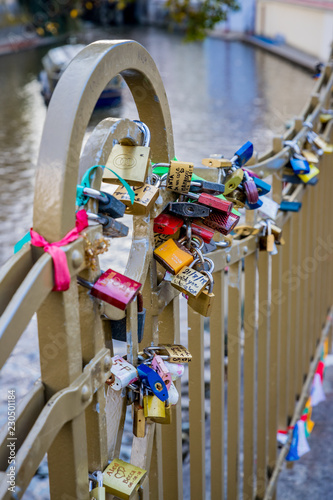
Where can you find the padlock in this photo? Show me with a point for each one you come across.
(243, 154)
(176, 370)
(290, 206)
(310, 156)
(203, 186)
(204, 302)
(118, 327)
(153, 406)
(167, 418)
(167, 224)
(262, 186)
(254, 206)
(320, 143)
(267, 240)
(314, 171)
(237, 197)
(223, 223)
(98, 492)
(179, 176)
(186, 209)
(129, 162)
(233, 180)
(199, 229)
(250, 189)
(211, 201)
(122, 374)
(216, 162)
(173, 395)
(111, 227)
(205, 264)
(299, 164)
(150, 379)
(145, 197)
(139, 420)
(173, 353)
(114, 288)
(159, 366)
(107, 204)
(189, 281)
(122, 479)
(172, 257)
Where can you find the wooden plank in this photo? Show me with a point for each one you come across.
(197, 405)
(262, 370)
(217, 391)
(249, 360)
(234, 376)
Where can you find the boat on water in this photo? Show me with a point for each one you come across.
(56, 61)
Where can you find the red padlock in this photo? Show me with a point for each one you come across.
(223, 223)
(113, 288)
(212, 201)
(198, 229)
(167, 224)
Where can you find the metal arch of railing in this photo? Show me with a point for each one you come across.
(70, 325)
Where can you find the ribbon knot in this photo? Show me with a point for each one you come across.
(62, 276)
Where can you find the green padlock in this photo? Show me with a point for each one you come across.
(233, 180)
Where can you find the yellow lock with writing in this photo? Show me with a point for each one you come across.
(145, 197)
(190, 281)
(179, 176)
(122, 479)
(172, 257)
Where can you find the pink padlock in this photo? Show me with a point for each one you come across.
(113, 288)
(159, 366)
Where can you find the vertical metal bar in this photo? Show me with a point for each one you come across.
(169, 333)
(61, 363)
(284, 344)
(250, 326)
(293, 332)
(197, 405)
(262, 370)
(274, 360)
(234, 377)
(217, 347)
(311, 282)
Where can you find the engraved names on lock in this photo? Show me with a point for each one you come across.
(122, 373)
(145, 197)
(121, 478)
(177, 353)
(129, 162)
(190, 281)
(179, 176)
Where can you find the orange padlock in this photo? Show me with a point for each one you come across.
(172, 257)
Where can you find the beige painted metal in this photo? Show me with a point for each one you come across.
(72, 334)
(217, 388)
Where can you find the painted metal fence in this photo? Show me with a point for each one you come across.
(273, 311)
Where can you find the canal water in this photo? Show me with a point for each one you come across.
(221, 94)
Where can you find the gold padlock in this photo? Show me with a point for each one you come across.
(122, 479)
(173, 353)
(172, 257)
(310, 156)
(217, 162)
(190, 281)
(322, 144)
(233, 180)
(129, 162)
(179, 176)
(153, 406)
(237, 197)
(204, 302)
(168, 416)
(145, 197)
(139, 421)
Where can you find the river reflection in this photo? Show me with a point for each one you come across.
(220, 94)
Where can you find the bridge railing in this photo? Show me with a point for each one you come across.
(267, 327)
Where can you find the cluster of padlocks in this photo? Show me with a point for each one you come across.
(183, 234)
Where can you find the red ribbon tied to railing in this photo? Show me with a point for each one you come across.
(62, 277)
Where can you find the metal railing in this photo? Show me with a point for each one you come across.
(276, 309)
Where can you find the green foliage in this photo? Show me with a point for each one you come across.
(196, 17)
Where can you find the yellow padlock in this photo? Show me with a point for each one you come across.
(233, 180)
(189, 281)
(153, 406)
(179, 176)
(313, 172)
(172, 257)
(139, 420)
(167, 419)
(122, 479)
(216, 162)
(129, 162)
(145, 197)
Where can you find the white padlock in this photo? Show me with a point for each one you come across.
(175, 369)
(173, 394)
(122, 373)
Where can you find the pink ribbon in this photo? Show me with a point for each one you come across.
(62, 277)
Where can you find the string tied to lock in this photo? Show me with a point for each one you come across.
(62, 275)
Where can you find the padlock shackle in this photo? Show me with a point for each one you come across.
(85, 283)
(94, 193)
(146, 132)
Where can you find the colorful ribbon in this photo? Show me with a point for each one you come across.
(62, 276)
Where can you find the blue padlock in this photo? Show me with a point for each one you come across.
(243, 154)
(151, 379)
(253, 206)
(299, 164)
(262, 186)
(290, 206)
(292, 179)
